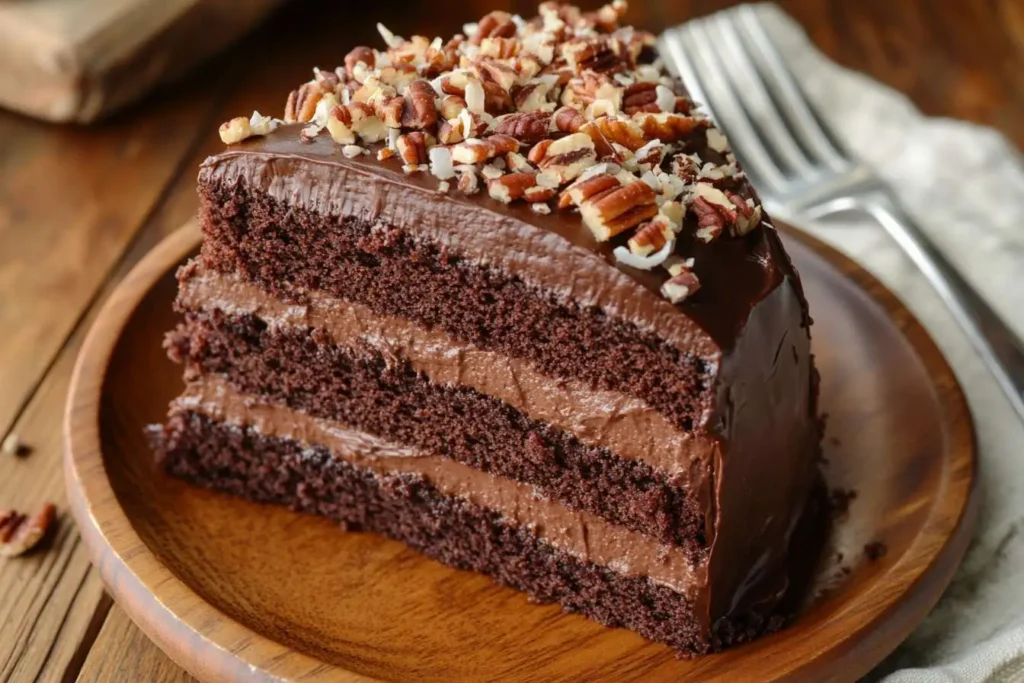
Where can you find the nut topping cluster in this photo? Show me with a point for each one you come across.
(568, 111)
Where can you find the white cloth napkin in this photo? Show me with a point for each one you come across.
(965, 184)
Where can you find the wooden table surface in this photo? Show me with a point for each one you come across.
(79, 206)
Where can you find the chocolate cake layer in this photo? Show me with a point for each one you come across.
(386, 269)
(453, 530)
(624, 425)
(381, 394)
(581, 534)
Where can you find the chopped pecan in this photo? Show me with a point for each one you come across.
(651, 154)
(568, 157)
(365, 123)
(602, 146)
(682, 284)
(490, 71)
(591, 88)
(469, 183)
(499, 48)
(452, 106)
(568, 120)
(640, 97)
(530, 97)
(20, 533)
(516, 163)
(455, 83)
(616, 210)
(714, 210)
(584, 189)
(398, 76)
(539, 194)
(527, 66)
(651, 236)
(511, 186)
(748, 214)
(621, 131)
(437, 62)
(607, 17)
(538, 151)
(447, 134)
(592, 53)
(328, 81)
(390, 111)
(668, 127)
(475, 150)
(497, 100)
(463, 127)
(413, 147)
(419, 110)
(339, 125)
(301, 104)
(235, 130)
(497, 24)
(361, 54)
(528, 128)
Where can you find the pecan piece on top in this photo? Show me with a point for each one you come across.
(640, 97)
(361, 54)
(528, 128)
(418, 109)
(568, 157)
(650, 237)
(511, 186)
(568, 120)
(714, 210)
(585, 188)
(497, 24)
(301, 104)
(475, 151)
(683, 282)
(413, 147)
(619, 210)
(668, 127)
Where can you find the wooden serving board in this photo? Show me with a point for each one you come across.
(232, 590)
(77, 60)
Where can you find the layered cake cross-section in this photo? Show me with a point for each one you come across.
(509, 299)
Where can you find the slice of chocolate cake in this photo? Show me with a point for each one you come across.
(509, 299)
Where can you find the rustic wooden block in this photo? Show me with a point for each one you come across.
(78, 60)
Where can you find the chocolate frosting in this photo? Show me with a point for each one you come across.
(586, 536)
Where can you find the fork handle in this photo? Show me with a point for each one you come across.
(1000, 348)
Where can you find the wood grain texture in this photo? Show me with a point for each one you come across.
(182, 561)
(65, 231)
(115, 657)
(79, 60)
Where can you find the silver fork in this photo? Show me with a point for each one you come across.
(729, 63)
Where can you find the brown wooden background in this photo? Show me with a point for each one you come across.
(79, 206)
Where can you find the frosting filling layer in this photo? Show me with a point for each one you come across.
(625, 425)
(582, 534)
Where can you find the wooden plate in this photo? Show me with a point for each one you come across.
(232, 590)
